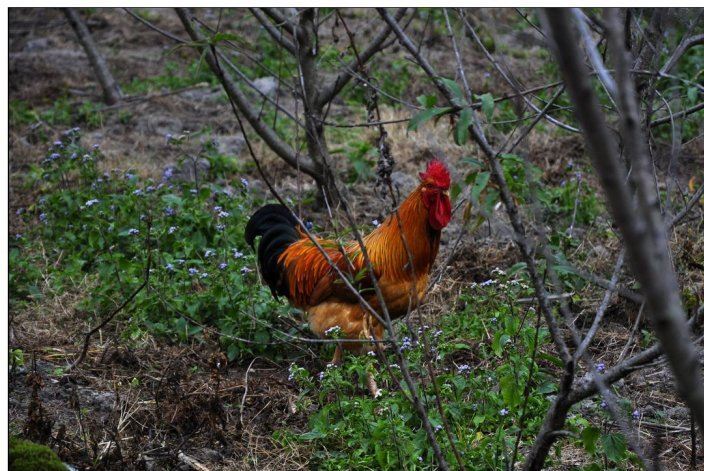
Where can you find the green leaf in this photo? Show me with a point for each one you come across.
(455, 191)
(427, 101)
(219, 37)
(614, 446)
(471, 161)
(487, 105)
(515, 268)
(426, 115)
(565, 269)
(312, 435)
(589, 437)
(511, 158)
(692, 94)
(509, 390)
(546, 388)
(498, 343)
(551, 358)
(172, 200)
(479, 185)
(457, 95)
(233, 351)
(462, 127)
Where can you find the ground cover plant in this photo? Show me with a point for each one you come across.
(142, 335)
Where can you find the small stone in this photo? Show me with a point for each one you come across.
(266, 85)
(230, 144)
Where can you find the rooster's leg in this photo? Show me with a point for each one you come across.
(371, 384)
(337, 357)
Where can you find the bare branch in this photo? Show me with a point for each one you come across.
(688, 207)
(154, 27)
(280, 20)
(110, 88)
(276, 34)
(375, 45)
(602, 307)
(511, 82)
(642, 227)
(680, 114)
(252, 115)
(506, 197)
(686, 44)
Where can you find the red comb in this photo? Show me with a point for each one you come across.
(437, 174)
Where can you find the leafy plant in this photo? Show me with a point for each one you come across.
(483, 404)
(109, 228)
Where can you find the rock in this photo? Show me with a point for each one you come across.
(202, 95)
(404, 182)
(102, 401)
(678, 413)
(266, 85)
(601, 252)
(189, 170)
(208, 454)
(230, 144)
(38, 44)
(160, 125)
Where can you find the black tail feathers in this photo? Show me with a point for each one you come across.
(277, 226)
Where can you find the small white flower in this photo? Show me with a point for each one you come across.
(378, 393)
(375, 223)
(334, 330)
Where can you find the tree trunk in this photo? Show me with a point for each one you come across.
(111, 90)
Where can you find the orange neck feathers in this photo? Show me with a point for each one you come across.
(387, 247)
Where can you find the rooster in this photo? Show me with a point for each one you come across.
(293, 267)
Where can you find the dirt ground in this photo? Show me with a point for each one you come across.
(162, 406)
